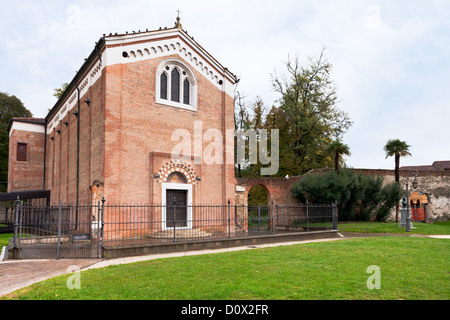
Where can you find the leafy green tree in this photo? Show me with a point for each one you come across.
(58, 92)
(256, 123)
(338, 149)
(10, 107)
(391, 195)
(371, 198)
(241, 123)
(396, 148)
(359, 197)
(308, 108)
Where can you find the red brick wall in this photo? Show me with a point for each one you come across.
(136, 128)
(61, 163)
(278, 189)
(121, 132)
(26, 175)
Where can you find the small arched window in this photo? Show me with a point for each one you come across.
(186, 91)
(163, 88)
(176, 85)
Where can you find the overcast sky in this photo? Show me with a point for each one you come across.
(391, 59)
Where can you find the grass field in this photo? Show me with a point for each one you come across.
(392, 227)
(410, 268)
(4, 238)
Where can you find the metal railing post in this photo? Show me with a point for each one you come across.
(98, 229)
(229, 219)
(270, 218)
(59, 231)
(20, 226)
(259, 218)
(16, 226)
(307, 216)
(103, 225)
(174, 218)
(276, 211)
(335, 217)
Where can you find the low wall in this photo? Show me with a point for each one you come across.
(118, 252)
(435, 184)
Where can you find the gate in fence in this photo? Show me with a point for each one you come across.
(56, 231)
(65, 231)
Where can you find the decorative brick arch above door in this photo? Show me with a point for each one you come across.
(177, 166)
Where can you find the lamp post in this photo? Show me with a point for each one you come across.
(408, 215)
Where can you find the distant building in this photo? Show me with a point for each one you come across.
(436, 166)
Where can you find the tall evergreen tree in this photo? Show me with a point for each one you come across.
(10, 107)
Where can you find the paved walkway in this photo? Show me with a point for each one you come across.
(16, 274)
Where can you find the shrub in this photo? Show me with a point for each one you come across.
(359, 197)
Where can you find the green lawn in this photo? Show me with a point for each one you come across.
(4, 239)
(392, 227)
(410, 268)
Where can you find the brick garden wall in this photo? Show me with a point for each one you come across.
(29, 174)
(435, 184)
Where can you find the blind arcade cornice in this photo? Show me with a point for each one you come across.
(128, 48)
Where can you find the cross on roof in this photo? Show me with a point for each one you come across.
(177, 23)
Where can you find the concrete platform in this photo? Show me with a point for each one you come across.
(212, 244)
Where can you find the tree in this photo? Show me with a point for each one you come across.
(241, 123)
(308, 107)
(338, 149)
(397, 148)
(359, 197)
(59, 91)
(10, 107)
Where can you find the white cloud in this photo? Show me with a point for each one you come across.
(390, 58)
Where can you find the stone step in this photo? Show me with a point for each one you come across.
(181, 233)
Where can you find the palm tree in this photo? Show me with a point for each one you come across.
(338, 149)
(397, 148)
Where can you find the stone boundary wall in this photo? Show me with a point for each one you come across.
(435, 184)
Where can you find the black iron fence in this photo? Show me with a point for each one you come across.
(65, 231)
(55, 231)
(6, 217)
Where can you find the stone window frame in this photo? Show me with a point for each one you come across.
(21, 156)
(185, 72)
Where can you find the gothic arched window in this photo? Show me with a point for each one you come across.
(186, 91)
(176, 85)
(163, 88)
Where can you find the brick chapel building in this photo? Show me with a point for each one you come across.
(110, 133)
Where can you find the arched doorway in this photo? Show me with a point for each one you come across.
(258, 196)
(177, 197)
(258, 209)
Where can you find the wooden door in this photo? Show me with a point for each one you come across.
(176, 209)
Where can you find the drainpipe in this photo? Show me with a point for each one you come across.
(78, 155)
(224, 161)
(45, 153)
